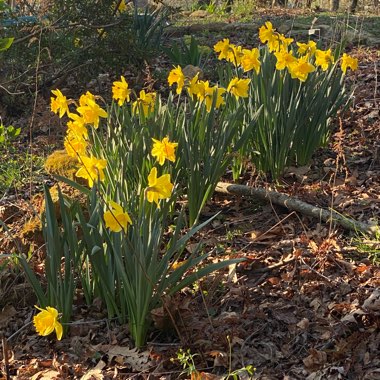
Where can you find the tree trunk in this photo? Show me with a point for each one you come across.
(334, 5)
(353, 6)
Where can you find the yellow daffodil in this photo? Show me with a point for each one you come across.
(323, 58)
(267, 33)
(193, 86)
(235, 54)
(300, 69)
(91, 112)
(91, 169)
(158, 188)
(120, 91)
(210, 93)
(146, 100)
(75, 144)
(223, 48)
(308, 48)
(284, 41)
(85, 98)
(46, 321)
(284, 59)
(116, 219)
(250, 60)
(122, 6)
(348, 62)
(239, 87)
(77, 125)
(164, 150)
(176, 76)
(59, 104)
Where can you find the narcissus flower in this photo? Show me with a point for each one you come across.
(308, 48)
(122, 6)
(46, 321)
(323, 58)
(267, 33)
(239, 87)
(59, 104)
(91, 169)
(284, 41)
(235, 54)
(77, 125)
(284, 59)
(177, 76)
(120, 90)
(348, 62)
(85, 98)
(146, 101)
(250, 60)
(164, 150)
(116, 219)
(223, 48)
(91, 112)
(75, 144)
(193, 86)
(300, 69)
(158, 188)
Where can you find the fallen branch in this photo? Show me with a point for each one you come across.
(297, 205)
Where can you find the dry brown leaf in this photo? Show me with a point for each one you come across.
(6, 314)
(47, 374)
(138, 361)
(315, 360)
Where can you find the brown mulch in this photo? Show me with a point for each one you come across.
(305, 304)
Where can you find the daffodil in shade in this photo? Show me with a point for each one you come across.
(239, 87)
(91, 112)
(177, 76)
(120, 90)
(91, 169)
(300, 69)
(223, 48)
(164, 150)
(75, 144)
(267, 33)
(146, 101)
(59, 104)
(122, 7)
(193, 86)
(116, 219)
(77, 125)
(284, 59)
(235, 55)
(46, 321)
(250, 60)
(308, 48)
(212, 92)
(348, 62)
(158, 188)
(323, 58)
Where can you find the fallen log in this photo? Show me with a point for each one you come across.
(295, 204)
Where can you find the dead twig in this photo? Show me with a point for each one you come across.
(295, 204)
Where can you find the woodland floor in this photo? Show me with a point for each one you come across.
(305, 304)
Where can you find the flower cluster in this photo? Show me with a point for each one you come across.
(205, 93)
(88, 113)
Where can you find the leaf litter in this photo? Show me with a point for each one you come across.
(304, 305)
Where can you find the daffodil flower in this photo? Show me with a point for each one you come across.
(120, 90)
(176, 76)
(323, 58)
(46, 321)
(239, 87)
(348, 62)
(158, 188)
(91, 169)
(164, 150)
(250, 60)
(59, 104)
(116, 219)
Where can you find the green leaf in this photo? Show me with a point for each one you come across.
(5, 43)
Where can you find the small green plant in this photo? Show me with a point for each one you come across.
(8, 134)
(370, 245)
(188, 52)
(186, 360)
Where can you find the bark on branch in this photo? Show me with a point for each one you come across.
(297, 205)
